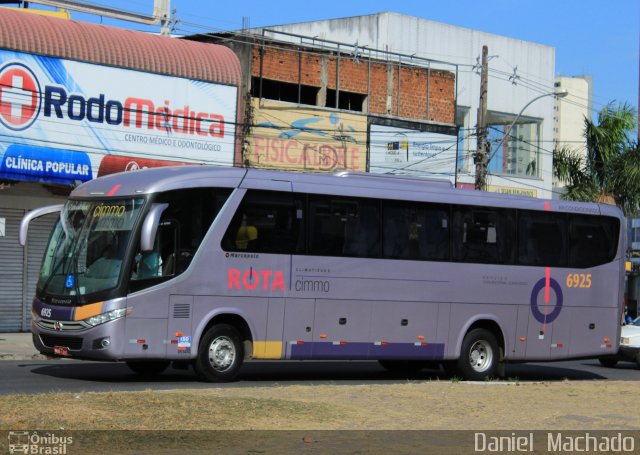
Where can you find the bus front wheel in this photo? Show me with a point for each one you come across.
(479, 356)
(220, 354)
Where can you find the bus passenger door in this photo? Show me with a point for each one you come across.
(146, 326)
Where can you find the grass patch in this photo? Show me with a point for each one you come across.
(184, 410)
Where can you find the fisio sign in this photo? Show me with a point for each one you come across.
(80, 106)
(20, 105)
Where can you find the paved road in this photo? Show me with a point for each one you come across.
(76, 376)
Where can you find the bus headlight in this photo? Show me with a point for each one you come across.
(106, 317)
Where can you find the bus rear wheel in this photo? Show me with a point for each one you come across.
(479, 356)
(150, 368)
(220, 354)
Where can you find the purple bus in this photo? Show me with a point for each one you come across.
(208, 267)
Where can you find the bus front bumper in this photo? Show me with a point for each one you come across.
(102, 342)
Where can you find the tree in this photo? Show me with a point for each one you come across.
(610, 172)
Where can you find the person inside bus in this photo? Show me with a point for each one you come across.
(246, 236)
(148, 265)
(107, 265)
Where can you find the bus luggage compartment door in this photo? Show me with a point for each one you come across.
(298, 328)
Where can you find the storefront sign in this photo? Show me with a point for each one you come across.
(501, 189)
(290, 138)
(111, 164)
(403, 151)
(41, 164)
(83, 107)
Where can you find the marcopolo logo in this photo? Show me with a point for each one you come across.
(22, 99)
(19, 97)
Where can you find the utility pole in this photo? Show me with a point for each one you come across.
(481, 129)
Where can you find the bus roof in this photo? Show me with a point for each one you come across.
(148, 181)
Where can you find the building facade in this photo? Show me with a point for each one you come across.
(519, 71)
(318, 105)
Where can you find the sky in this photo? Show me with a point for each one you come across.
(599, 38)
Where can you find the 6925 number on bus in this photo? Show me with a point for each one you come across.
(579, 280)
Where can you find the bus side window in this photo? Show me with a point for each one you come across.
(326, 230)
(161, 261)
(361, 229)
(246, 235)
(266, 222)
(415, 231)
(484, 235)
(592, 241)
(181, 230)
(541, 239)
(344, 227)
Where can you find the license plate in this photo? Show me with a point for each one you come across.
(61, 350)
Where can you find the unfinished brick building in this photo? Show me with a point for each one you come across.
(315, 104)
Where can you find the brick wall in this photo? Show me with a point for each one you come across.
(283, 63)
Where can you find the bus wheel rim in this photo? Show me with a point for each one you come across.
(480, 356)
(222, 353)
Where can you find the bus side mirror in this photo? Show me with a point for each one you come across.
(24, 224)
(150, 226)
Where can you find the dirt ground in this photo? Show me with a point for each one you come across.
(415, 405)
(322, 418)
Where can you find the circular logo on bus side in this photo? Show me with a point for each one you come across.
(19, 97)
(542, 316)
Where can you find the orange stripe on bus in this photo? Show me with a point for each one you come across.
(86, 311)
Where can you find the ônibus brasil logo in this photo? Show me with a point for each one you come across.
(21, 100)
(19, 97)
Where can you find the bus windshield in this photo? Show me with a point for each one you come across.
(87, 247)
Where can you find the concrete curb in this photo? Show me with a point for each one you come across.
(19, 346)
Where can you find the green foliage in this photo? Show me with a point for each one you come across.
(610, 170)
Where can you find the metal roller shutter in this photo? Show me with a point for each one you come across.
(18, 280)
(11, 271)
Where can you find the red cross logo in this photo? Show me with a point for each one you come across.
(19, 97)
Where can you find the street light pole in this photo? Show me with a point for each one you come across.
(560, 93)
